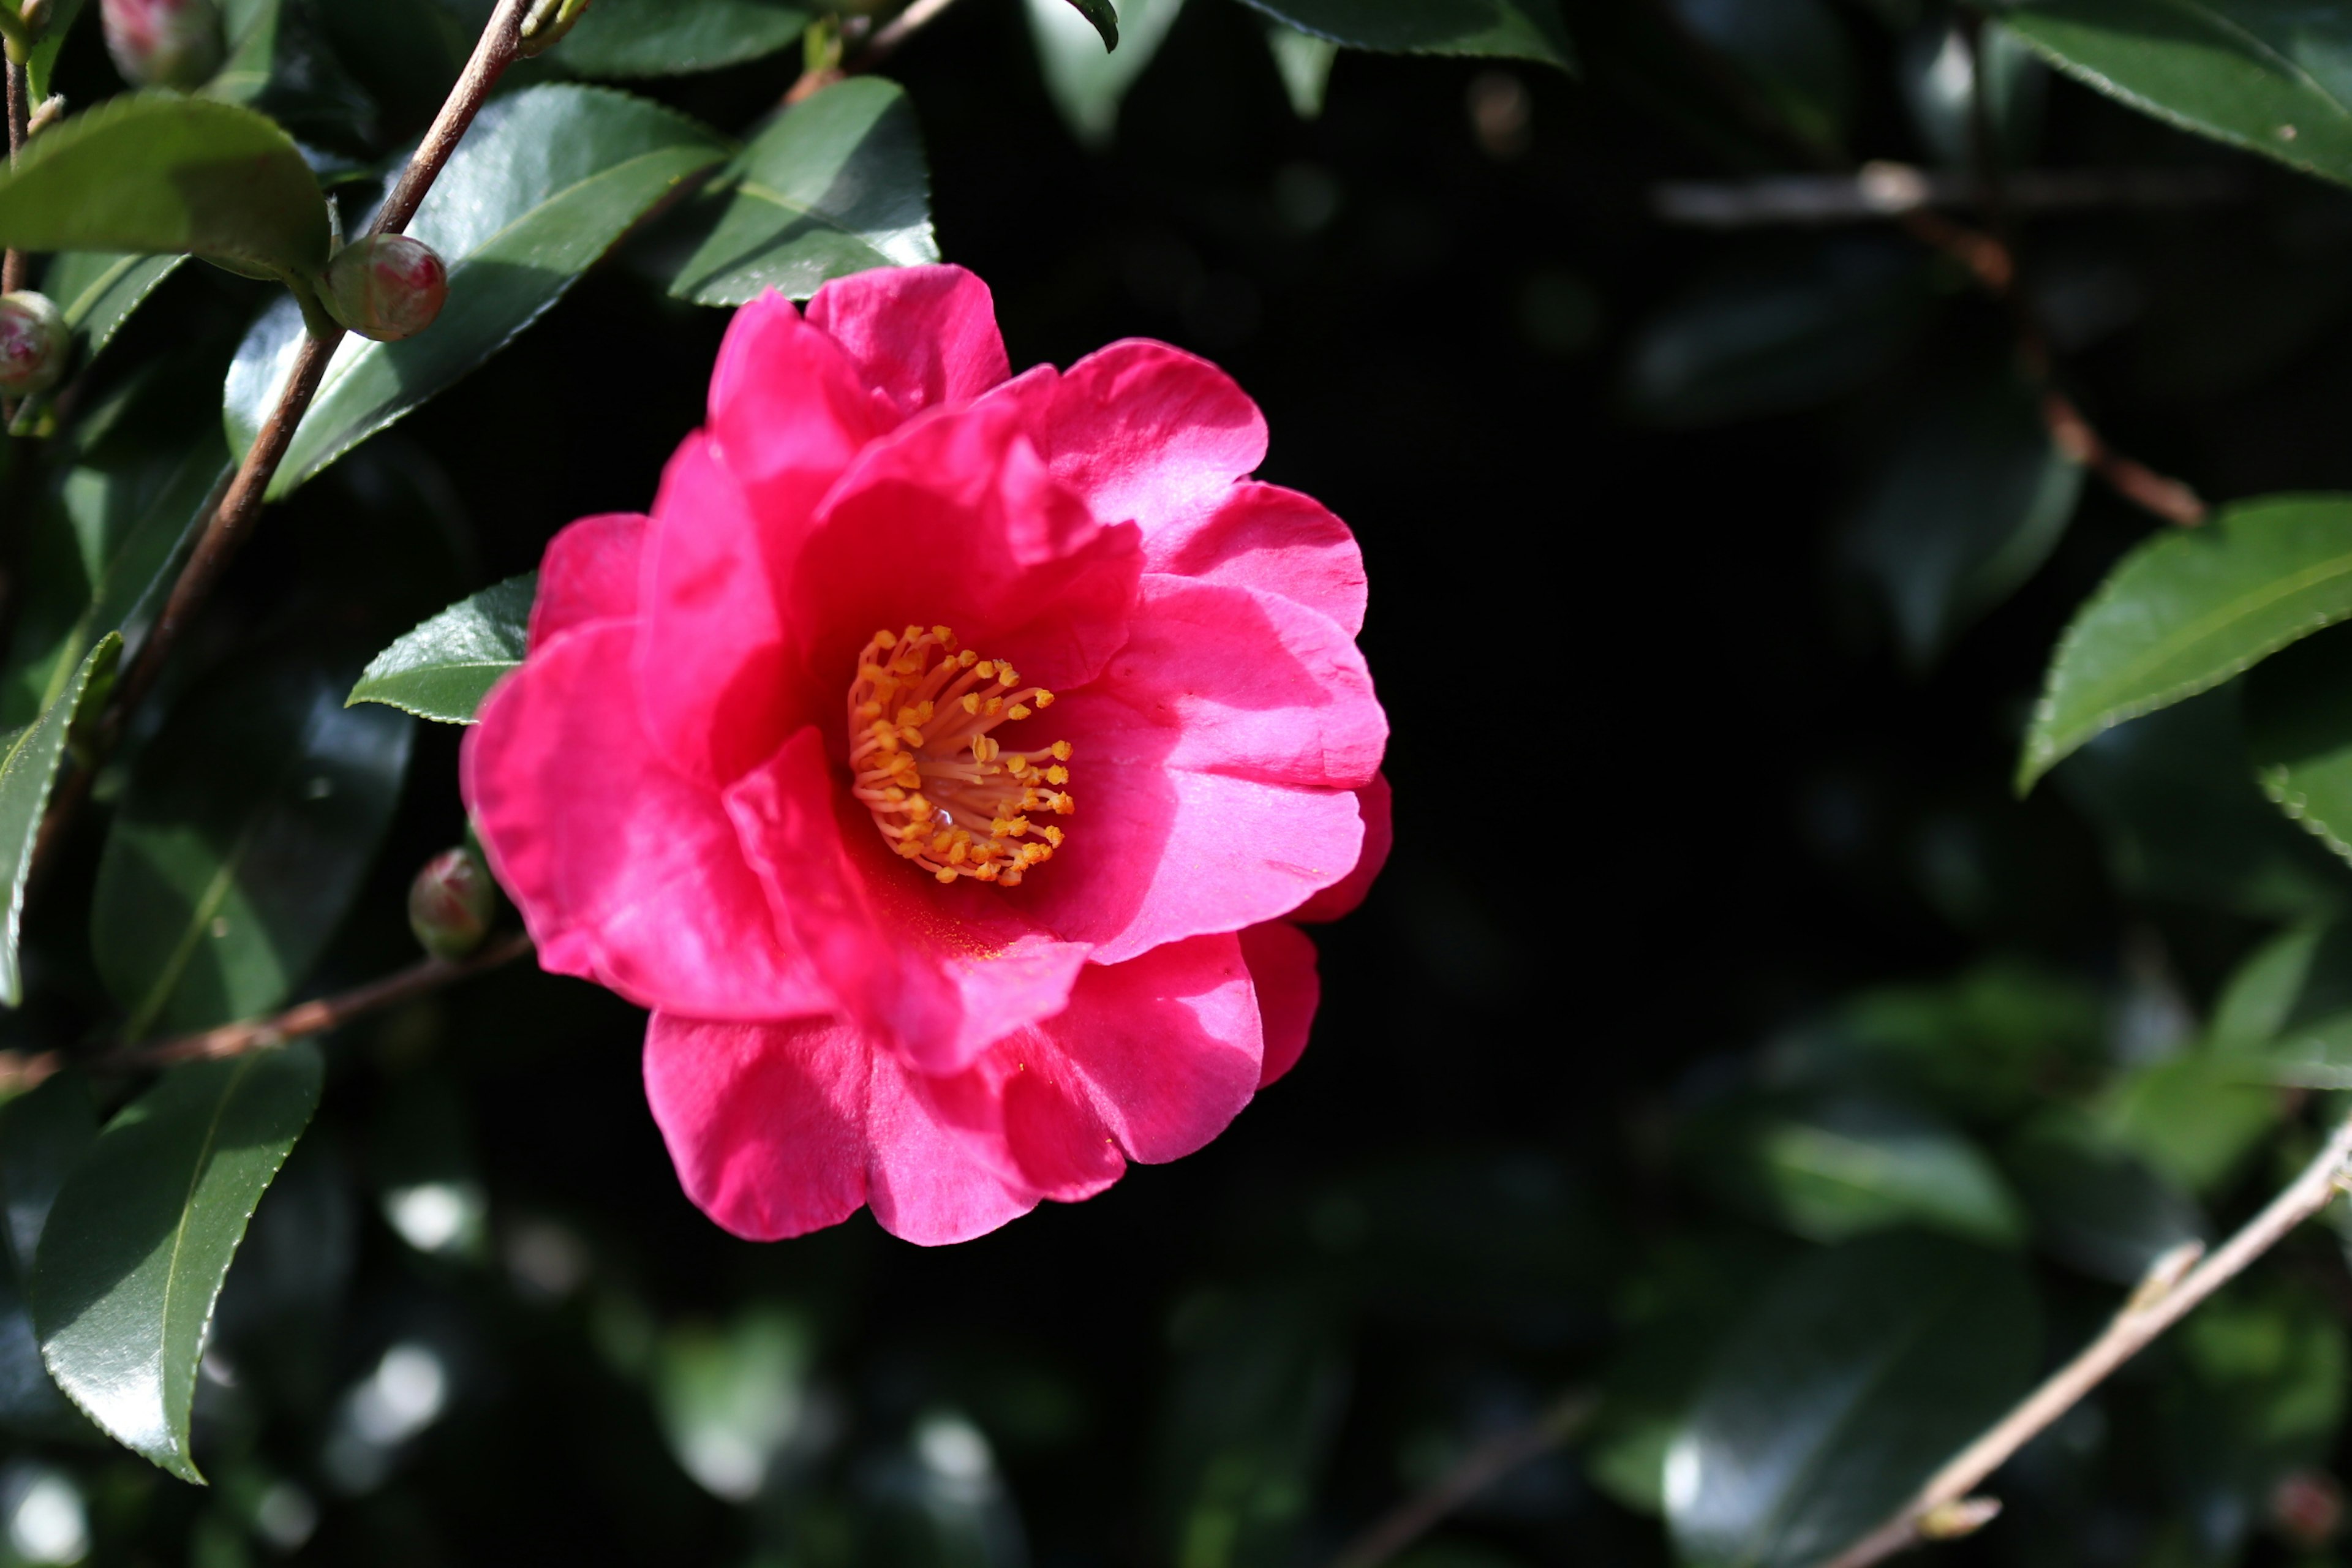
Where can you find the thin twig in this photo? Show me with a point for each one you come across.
(896, 31)
(20, 1071)
(2160, 1301)
(20, 120)
(1479, 1469)
(1881, 190)
(232, 520)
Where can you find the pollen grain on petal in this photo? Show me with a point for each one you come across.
(943, 791)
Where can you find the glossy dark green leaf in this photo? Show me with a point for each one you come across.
(1254, 1401)
(98, 290)
(2095, 1206)
(2182, 818)
(837, 184)
(1084, 81)
(1519, 29)
(1778, 329)
(1864, 1369)
(1102, 16)
(1834, 1165)
(662, 37)
(2188, 610)
(544, 183)
(278, 64)
(444, 667)
(28, 768)
(1967, 500)
(1793, 53)
(245, 832)
(2274, 76)
(155, 173)
(2299, 736)
(144, 1234)
(139, 467)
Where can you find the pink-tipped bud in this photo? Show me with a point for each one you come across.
(450, 904)
(162, 43)
(33, 343)
(2307, 1508)
(386, 286)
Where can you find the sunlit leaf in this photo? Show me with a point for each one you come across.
(28, 768)
(2299, 736)
(661, 37)
(444, 667)
(1085, 82)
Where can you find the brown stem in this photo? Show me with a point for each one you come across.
(1943, 1507)
(20, 119)
(1481, 1467)
(20, 1071)
(491, 56)
(896, 31)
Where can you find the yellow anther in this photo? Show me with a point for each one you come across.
(1061, 751)
(987, 670)
(1017, 711)
(1044, 700)
(972, 702)
(884, 639)
(1057, 774)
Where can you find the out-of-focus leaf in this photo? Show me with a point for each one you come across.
(140, 467)
(1084, 81)
(444, 667)
(43, 1136)
(278, 1319)
(247, 826)
(2273, 78)
(278, 65)
(1779, 331)
(2095, 1206)
(1517, 29)
(1939, 85)
(544, 184)
(1304, 62)
(1834, 1166)
(2192, 1119)
(97, 290)
(1967, 503)
(1252, 1403)
(159, 172)
(144, 1234)
(2299, 734)
(2256, 1392)
(731, 1400)
(1864, 1369)
(1792, 51)
(2269, 988)
(2188, 610)
(1987, 1043)
(662, 37)
(837, 185)
(28, 767)
(423, 1168)
(2182, 819)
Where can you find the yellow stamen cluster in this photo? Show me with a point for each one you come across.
(943, 790)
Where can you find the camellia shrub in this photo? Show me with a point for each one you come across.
(1653, 685)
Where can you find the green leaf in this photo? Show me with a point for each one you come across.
(243, 834)
(144, 1232)
(276, 64)
(97, 290)
(1864, 1369)
(1519, 29)
(2194, 1119)
(159, 173)
(2268, 990)
(662, 37)
(729, 1399)
(1829, 1166)
(2095, 1206)
(2299, 736)
(28, 767)
(1792, 52)
(1778, 330)
(2188, 610)
(41, 62)
(541, 187)
(1304, 62)
(443, 668)
(837, 184)
(1084, 81)
(1968, 499)
(2271, 77)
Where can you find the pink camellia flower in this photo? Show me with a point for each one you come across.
(944, 762)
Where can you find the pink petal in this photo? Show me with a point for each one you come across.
(627, 872)
(953, 521)
(1148, 433)
(711, 671)
(934, 972)
(1282, 966)
(1273, 540)
(923, 335)
(589, 574)
(1380, 833)
(789, 409)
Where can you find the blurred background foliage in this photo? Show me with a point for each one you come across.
(1725, 1121)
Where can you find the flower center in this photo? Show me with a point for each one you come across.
(942, 790)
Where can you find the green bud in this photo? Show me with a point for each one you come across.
(545, 24)
(33, 343)
(450, 904)
(386, 286)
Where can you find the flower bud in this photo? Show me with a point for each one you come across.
(545, 24)
(2307, 1508)
(386, 286)
(33, 343)
(450, 904)
(162, 43)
